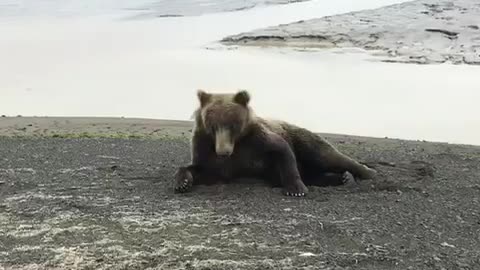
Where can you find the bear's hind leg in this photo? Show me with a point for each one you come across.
(335, 161)
(319, 155)
(324, 179)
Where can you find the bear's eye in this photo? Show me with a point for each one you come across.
(216, 127)
(235, 128)
(212, 129)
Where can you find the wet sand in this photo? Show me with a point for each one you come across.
(70, 199)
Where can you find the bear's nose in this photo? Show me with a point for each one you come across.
(224, 153)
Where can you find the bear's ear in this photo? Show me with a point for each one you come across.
(203, 97)
(242, 97)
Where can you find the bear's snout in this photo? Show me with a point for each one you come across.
(223, 143)
(224, 149)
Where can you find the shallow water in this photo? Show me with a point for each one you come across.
(155, 8)
(120, 66)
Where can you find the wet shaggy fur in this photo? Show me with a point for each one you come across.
(229, 142)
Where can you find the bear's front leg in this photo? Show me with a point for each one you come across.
(286, 169)
(295, 188)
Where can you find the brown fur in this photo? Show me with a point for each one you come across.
(229, 141)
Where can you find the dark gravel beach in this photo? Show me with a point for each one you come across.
(108, 203)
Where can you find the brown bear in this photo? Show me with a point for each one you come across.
(229, 142)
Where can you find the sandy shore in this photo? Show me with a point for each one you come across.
(72, 200)
(422, 32)
(91, 127)
(121, 127)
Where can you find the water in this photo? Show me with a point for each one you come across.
(146, 8)
(119, 64)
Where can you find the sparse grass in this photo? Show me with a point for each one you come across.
(117, 135)
(97, 135)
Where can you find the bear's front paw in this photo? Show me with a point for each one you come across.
(183, 180)
(298, 189)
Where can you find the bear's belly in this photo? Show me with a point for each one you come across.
(241, 165)
(248, 164)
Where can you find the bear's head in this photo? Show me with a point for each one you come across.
(225, 117)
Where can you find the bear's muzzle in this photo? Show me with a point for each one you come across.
(223, 143)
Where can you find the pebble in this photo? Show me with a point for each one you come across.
(387, 163)
(306, 254)
(445, 244)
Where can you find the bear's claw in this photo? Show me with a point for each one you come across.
(183, 181)
(182, 187)
(299, 190)
(296, 194)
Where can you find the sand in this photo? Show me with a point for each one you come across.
(76, 195)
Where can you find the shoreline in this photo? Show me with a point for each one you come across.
(148, 128)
